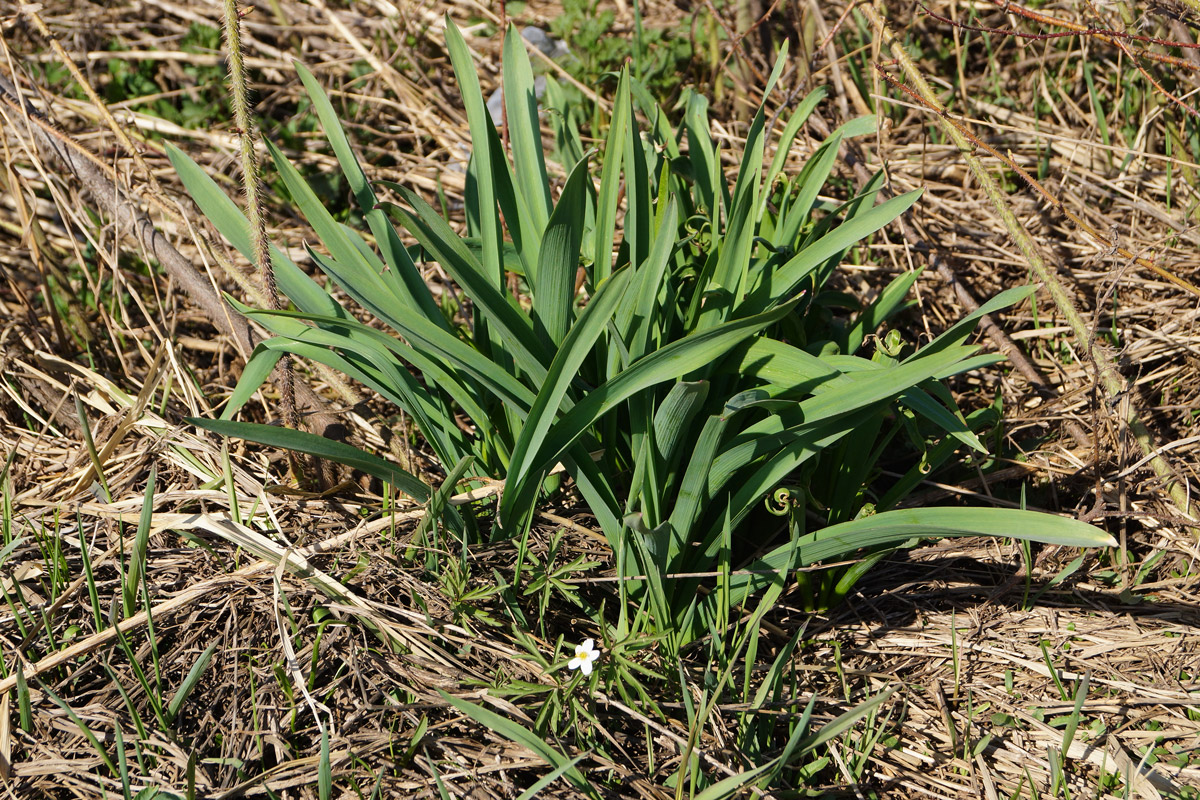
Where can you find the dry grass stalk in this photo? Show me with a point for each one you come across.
(924, 623)
(252, 183)
(1114, 385)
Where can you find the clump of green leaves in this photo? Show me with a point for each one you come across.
(204, 100)
(661, 57)
(702, 365)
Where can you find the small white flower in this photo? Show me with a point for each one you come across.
(585, 654)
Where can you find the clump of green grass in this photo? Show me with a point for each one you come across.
(674, 348)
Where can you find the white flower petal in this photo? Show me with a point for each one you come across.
(585, 654)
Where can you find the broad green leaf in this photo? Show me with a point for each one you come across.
(558, 261)
(811, 179)
(524, 131)
(938, 414)
(568, 142)
(705, 167)
(693, 491)
(786, 280)
(375, 369)
(895, 527)
(313, 445)
(815, 423)
(959, 331)
(673, 426)
(784, 365)
(571, 355)
(431, 339)
(636, 318)
(525, 232)
(479, 122)
(232, 224)
(672, 361)
(402, 277)
(879, 311)
(777, 455)
(859, 126)
(663, 447)
(598, 492)
(798, 118)
(513, 328)
(639, 198)
(660, 126)
(610, 181)
(730, 276)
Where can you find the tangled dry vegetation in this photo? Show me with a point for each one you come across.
(111, 334)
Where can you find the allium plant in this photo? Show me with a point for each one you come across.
(674, 343)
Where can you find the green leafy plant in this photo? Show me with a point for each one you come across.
(131, 80)
(674, 345)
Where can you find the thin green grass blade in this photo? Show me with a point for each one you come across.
(731, 275)
(83, 727)
(324, 768)
(436, 509)
(523, 737)
(533, 791)
(190, 680)
(841, 724)
(137, 553)
(24, 706)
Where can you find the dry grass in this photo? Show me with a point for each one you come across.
(982, 670)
